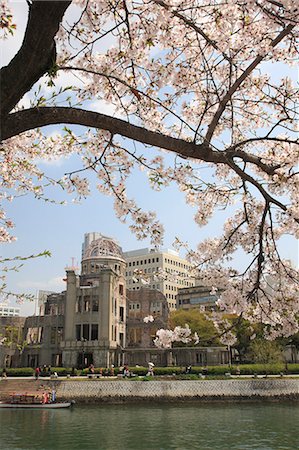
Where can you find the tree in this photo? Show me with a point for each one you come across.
(11, 338)
(187, 77)
(198, 323)
(265, 352)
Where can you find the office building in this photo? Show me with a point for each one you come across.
(163, 270)
(9, 311)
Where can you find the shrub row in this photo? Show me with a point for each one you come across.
(242, 369)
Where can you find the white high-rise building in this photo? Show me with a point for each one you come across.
(9, 311)
(164, 270)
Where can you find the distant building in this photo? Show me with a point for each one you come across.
(141, 304)
(196, 297)
(86, 324)
(96, 320)
(163, 270)
(9, 311)
(41, 301)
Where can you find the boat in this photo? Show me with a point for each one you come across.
(36, 405)
(33, 401)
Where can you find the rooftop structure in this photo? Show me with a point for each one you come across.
(196, 297)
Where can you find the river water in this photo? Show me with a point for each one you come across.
(261, 426)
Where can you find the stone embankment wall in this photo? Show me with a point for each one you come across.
(118, 391)
(115, 391)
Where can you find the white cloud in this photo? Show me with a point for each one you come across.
(103, 107)
(54, 284)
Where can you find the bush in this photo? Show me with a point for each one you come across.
(260, 369)
(292, 368)
(20, 372)
(211, 371)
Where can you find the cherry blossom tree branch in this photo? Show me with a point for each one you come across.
(227, 97)
(24, 120)
(28, 119)
(26, 68)
(194, 27)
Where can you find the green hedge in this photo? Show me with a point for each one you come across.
(64, 371)
(243, 369)
(20, 372)
(293, 368)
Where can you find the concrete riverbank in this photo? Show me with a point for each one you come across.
(115, 391)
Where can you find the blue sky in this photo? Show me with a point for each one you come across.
(60, 229)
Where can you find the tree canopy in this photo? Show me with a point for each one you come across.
(198, 323)
(189, 77)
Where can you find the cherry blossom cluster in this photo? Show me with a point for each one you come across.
(165, 338)
(6, 21)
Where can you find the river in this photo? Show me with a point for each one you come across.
(262, 426)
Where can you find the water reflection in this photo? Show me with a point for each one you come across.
(160, 427)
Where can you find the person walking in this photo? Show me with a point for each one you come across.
(37, 372)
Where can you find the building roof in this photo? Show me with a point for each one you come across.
(102, 248)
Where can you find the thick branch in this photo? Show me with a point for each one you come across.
(32, 118)
(37, 54)
(29, 119)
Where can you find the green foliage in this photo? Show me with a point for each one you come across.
(292, 368)
(178, 372)
(265, 352)
(244, 330)
(13, 336)
(20, 372)
(197, 322)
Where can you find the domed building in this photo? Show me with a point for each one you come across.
(95, 307)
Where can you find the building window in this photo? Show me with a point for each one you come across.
(56, 335)
(95, 304)
(86, 303)
(34, 335)
(78, 332)
(85, 334)
(121, 313)
(121, 289)
(94, 332)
